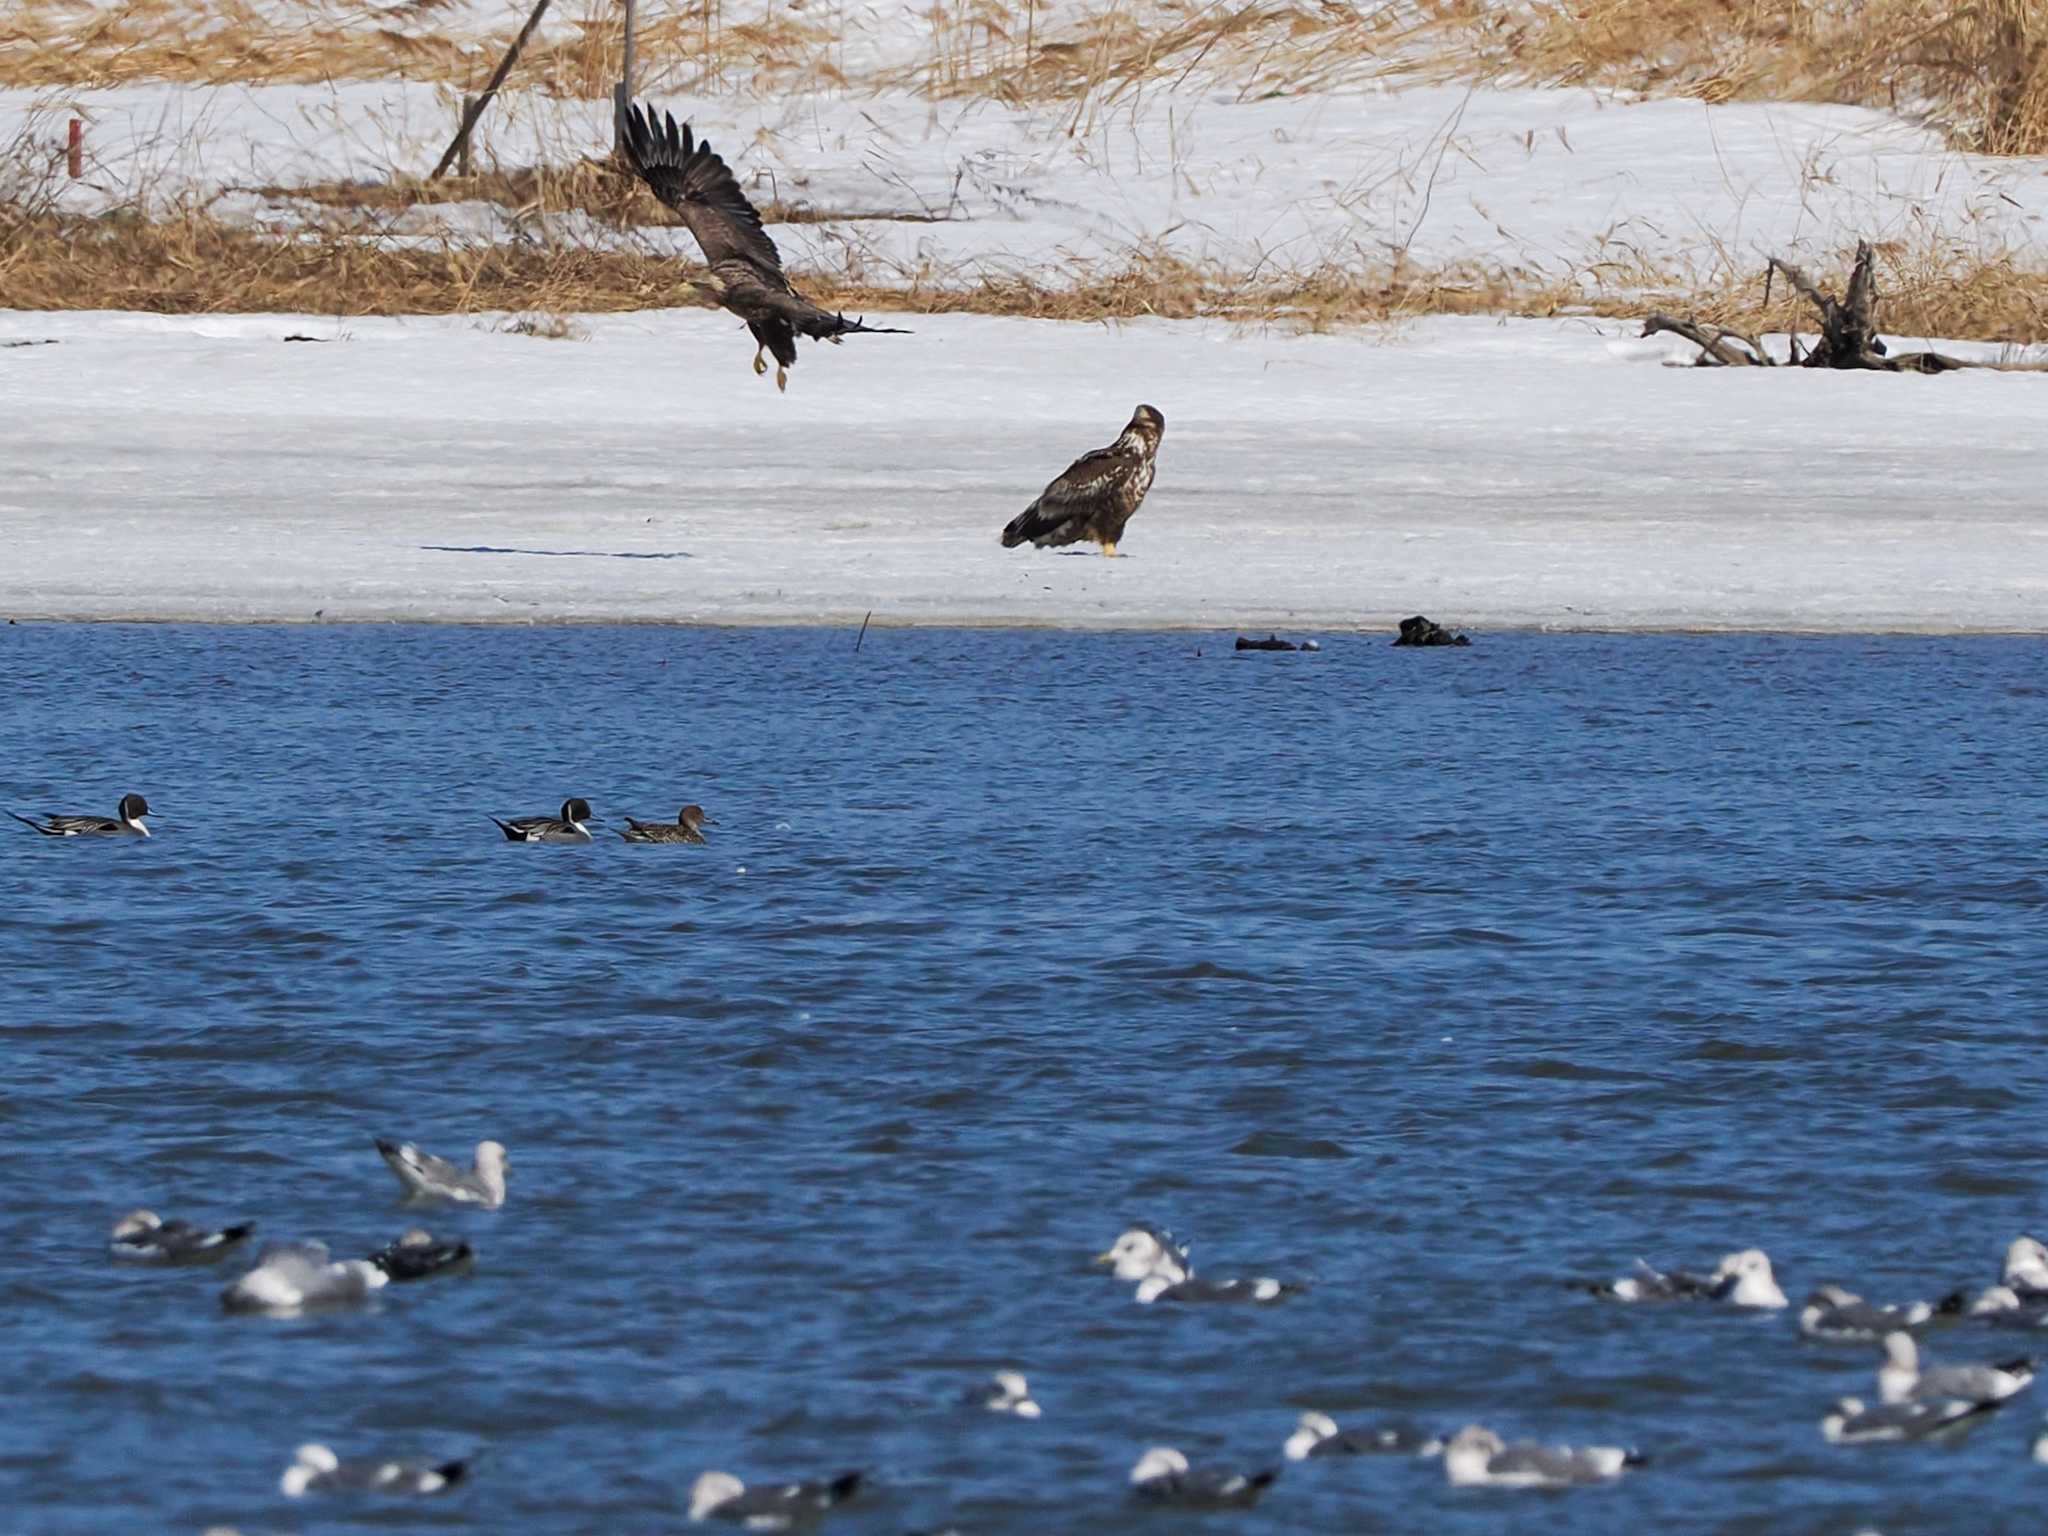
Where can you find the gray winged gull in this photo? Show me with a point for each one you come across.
(1478, 1458)
(427, 1177)
(1852, 1422)
(778, 1507)
(1902, 1380)
(1162, 1476)
(418, 1255)
(289, 1278)
(1317, 1434)
(142, 1237)
(316, 1469)
(1834, 1313)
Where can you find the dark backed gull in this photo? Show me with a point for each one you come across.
(1162, 1476)
(316, 1469)
(141, 1237)
(1317, 1434)
(779, 1507)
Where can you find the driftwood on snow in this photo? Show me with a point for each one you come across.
(1848, 332)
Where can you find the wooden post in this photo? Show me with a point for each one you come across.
(74, 150)
(462, 155)
(475, 109)
(622, 97)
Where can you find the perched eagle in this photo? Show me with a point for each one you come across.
(746, 273)
(1097, 494)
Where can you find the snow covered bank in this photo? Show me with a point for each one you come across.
(1486, 473)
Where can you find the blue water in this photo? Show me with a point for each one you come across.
(1440, 980)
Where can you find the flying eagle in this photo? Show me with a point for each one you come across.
(746, 272)
(1097, 494)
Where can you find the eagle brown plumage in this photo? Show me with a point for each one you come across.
(1097, 494)
(746, 270)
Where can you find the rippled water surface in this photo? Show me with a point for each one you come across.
(1439, 980)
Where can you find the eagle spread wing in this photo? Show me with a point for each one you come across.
(687, 174)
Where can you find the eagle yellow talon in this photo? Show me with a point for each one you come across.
(781, 379)
(760, 366)
(1109, 550)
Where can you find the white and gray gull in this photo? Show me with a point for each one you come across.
(1478, 1458)
(1740, 1280)
(778, 1507)
(1902, 1380)
(290, 1278)
(1317, 1434)
(1162, 1476)
(427, 1177)
(572, 826)
(316, 1469)
(128, 823)
(1852, 1422)
(142, 1237)
(1143, 1251)
(1833, 1313)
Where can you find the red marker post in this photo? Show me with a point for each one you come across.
(74, 158)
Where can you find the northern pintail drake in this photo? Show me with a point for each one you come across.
(572, 826)
(316, 1469)
(419, 1255)
(780, 1507)
(1854, 1423)
(128, 823)
(1005, 1392)
(1833, 1313)
(289, 1278)
(1478, 1458)
(142, 1237)
(1143, 1251)
(1162, 1476)
(427, 1177)
(1901, 1380)
(686, 828)
(1740, 1280)
(1317, 1434)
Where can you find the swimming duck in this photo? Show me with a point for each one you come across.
(684, 829)
(316, 1469)
(127, 824)
(142, 1237)
(721, 1496)
(291, 1277)
(1163, 1476)
(1005, 1392)
(572, 826)
(1478, 1458)
(1317, 1434)
(427, 1177)
(418, 1255)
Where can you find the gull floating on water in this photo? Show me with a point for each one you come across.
(1478, 1458)
(1317, 1434)
(1854, 1423)
(1195, 1289)
(418, 1255)
(686, 828)
(316, 1469)
(290, 1277)
(127, 824)
(1005, 1392)
(1833, 1313)
(1901, 1380)
(1163, 1476)
(572, 826)
(2004, 1306)
(2026, 1267)
(142, 1237)
(721, 1496)
(427, 1177)
(1144, 1251)
(1740, 1280)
